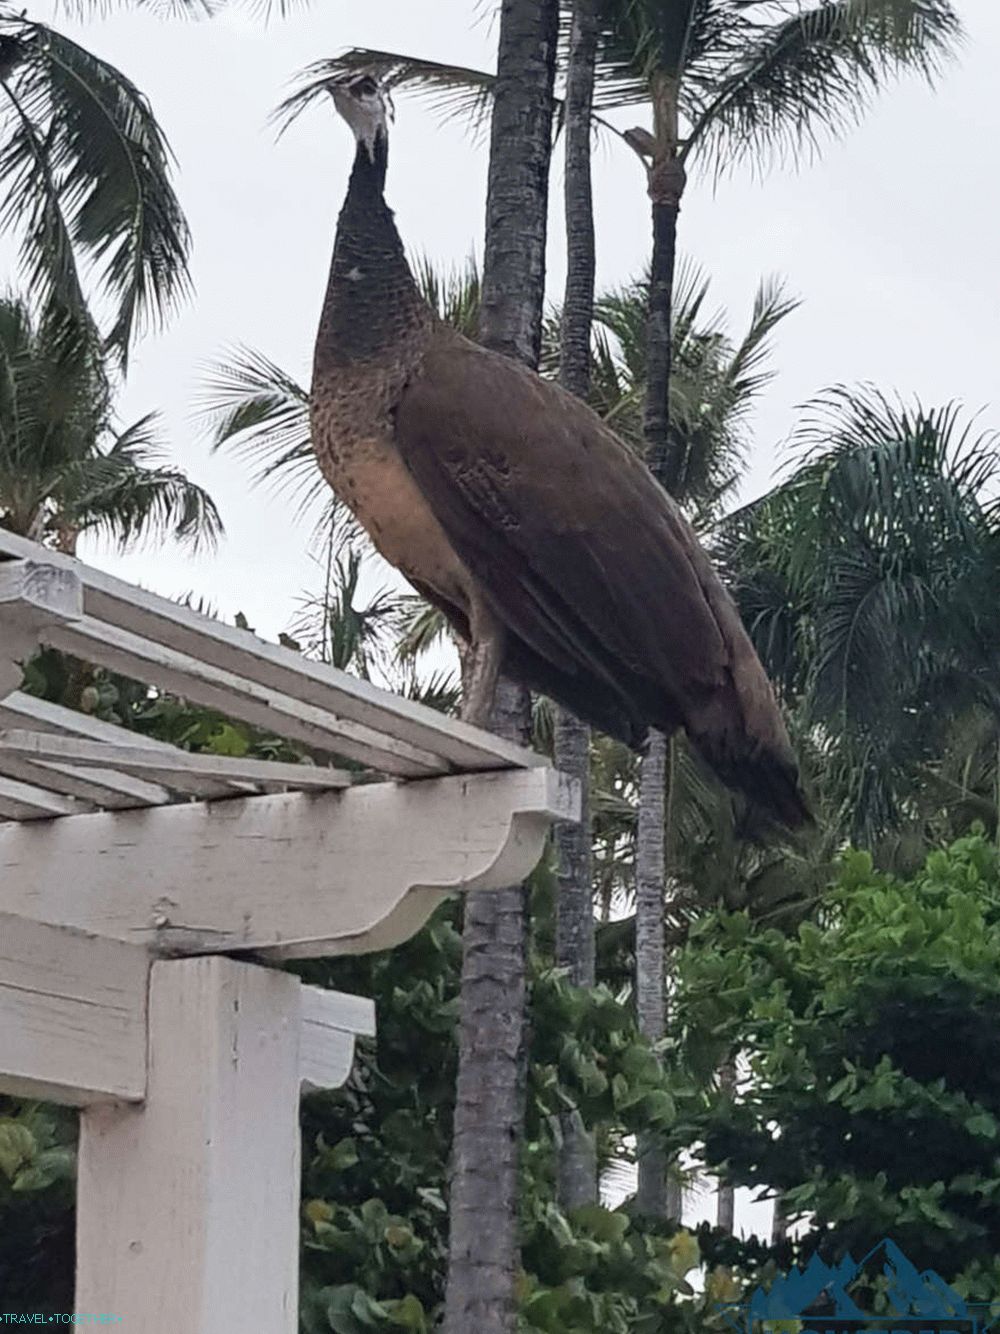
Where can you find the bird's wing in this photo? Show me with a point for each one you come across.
(583, 554)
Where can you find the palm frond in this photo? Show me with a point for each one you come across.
(455, 294)
(253, 408)
(89, 168)
(130, 496)
(451, 90)
(183, 9)
(423, 628)
(803, 72)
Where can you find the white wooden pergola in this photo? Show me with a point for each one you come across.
(134, 875)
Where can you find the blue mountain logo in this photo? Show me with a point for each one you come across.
(820, 1298)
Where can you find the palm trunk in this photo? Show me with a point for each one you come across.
(513, 288)
(779, 1223)
(483, 1259)
(649, 989)
(577, 1183)
(666, 184)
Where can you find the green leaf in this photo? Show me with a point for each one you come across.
(17, 1147)
(408, 1313)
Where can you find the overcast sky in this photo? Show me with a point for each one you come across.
(890, 240)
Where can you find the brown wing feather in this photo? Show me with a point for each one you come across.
(588, 561)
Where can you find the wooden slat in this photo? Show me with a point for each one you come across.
(19, 710)
(38, 803)
(135, 759)
(118, 603)
(108, 789)
(238, 697)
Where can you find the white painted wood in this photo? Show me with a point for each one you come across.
(38, 803)
(310, 873)
(110, 790)
(72, 1015)
(268, 774)
(147, 616)
(237, 697)
(187, 1206)
(330, 1022)
(20, 710)
(33, 595)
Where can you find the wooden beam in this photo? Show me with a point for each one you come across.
(137, 759)
(187, 1207)
(236, 696)
(119, 604)
(33, 597)
(36, 594)
(307, 873)
(72, 1015)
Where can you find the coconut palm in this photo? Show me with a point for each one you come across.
(865, 580)
(574, 945)
(85, 187)
(483, 1250)
(65, 468)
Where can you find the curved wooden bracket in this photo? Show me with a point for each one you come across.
(291, 874)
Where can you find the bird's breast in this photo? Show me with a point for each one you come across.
(352, 437)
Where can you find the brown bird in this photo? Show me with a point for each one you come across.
(513, 508)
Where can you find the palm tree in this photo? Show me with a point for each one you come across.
(577, 1184)
(483, 1251)
(65, 469)
(865, 580)
(85, 186)
(742, 76)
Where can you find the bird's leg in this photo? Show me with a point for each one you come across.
(481, 667)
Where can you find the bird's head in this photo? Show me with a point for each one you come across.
(365, 105)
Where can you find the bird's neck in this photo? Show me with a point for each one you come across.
(372, 300)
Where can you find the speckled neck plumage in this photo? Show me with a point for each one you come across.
(372, 302)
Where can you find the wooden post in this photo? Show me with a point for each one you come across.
(187, 1206)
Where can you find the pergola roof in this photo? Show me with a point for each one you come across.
(119, 853)
(106, 831)
(55, 762)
